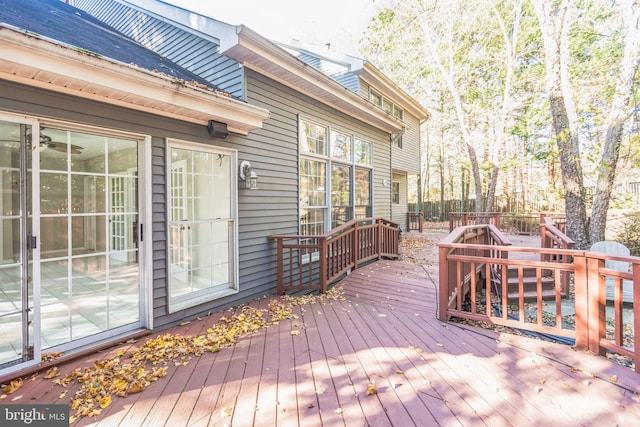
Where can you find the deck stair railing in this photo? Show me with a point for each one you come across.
(475, 283)
(313, 262)
(510, 222)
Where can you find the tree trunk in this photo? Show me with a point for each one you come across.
(615, 122)
(554, 23)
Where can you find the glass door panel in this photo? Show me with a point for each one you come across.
(89, 243)
(16, 299)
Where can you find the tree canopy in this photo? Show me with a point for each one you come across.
(496, 75)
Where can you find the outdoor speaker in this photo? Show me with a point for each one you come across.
(217, 129)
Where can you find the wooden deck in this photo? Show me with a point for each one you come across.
(384, 331)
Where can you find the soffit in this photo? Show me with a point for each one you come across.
(34, 61)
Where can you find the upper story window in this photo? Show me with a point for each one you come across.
(385, 104)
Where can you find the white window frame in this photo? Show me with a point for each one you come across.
(206, 295)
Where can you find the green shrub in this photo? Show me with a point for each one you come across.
(628, 233)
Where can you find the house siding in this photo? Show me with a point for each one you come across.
(407, 158)
(194, 53)
(279, 162)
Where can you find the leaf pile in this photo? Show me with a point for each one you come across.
(133, 371)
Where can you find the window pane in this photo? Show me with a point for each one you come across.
(362, 152)
(312, 196)
(313, 138)
(312, 221)
(375, 98)
(312, 183)
(341, 208)
(395, 192)
(363, 187)
(340, 146)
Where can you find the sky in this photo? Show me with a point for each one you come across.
(317, 22)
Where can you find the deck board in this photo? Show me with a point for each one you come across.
(384, 330)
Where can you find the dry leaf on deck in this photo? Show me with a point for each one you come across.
(371, 389)
(13, 386)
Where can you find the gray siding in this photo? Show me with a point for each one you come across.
(193, 52)
(273, 151)
(399, 214)
(407, 158)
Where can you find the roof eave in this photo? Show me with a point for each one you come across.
(370, 74)
(259, 54)
(31, 60)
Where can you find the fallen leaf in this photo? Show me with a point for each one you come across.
(226, 412)
(371, 389)
(295, 332)
(339, 411)
(320, 390)
(13, 386)
(105, 401)
(310, 405)
(399, 371)
(537, 389)
(614, 379)
(63, 394)
(52, 372)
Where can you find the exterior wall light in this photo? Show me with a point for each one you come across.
(248, 177)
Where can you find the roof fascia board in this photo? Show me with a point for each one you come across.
(252, 50)
(144, 90)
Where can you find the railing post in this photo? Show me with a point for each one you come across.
(582, 304)
(280, 266)
(379, 243)
(322, 273)
(596, 300)
(421, 218)
(636, 317)
(355, 245)
(443, 284)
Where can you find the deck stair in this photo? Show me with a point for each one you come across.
(529, 283)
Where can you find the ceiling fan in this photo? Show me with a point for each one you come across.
(46, 141)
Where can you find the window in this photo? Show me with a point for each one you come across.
(386, 104)
(202, 224)
(345, 169)
(395, 193)
(362, 152)
(313, 199)
(340, 146)
(363, 193)
(341, 206)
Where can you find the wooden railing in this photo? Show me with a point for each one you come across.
(415, 221)
(516, 223)
(312, 263)
(480, 280)
(552, 237)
